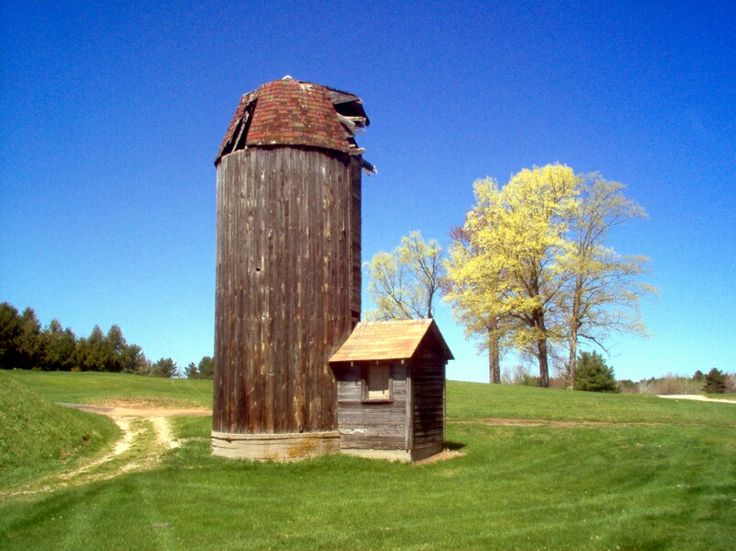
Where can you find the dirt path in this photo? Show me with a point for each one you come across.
(697, 397)
(511, 422)
(146, 436)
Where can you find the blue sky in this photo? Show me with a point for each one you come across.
(110, 117)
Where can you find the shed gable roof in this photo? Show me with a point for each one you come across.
(390, 340)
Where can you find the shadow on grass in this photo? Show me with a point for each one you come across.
(454, 446)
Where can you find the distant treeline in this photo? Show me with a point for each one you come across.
(24, 344)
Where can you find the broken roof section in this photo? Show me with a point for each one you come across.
(390, 340)
(293, 112)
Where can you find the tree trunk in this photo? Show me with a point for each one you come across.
(542, 351)
(494, 368)
(543, 365)
(572, 362)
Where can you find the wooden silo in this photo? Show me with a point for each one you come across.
(288, 268)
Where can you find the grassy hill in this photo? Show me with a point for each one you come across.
(38, 437)
(579, 471)
(96, 388)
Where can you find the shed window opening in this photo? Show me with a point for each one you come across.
(378, 383)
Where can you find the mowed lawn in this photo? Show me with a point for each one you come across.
(584, 471)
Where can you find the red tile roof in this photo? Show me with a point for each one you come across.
(292, 112)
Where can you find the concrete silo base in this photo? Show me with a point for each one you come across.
(275, 447)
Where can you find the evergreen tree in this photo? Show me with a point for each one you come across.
(30, 346)
(165, 367)
(715, 382)
(206, 368)
(593, 374)
(10, 330)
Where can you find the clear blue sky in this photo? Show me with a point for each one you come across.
(111, 114)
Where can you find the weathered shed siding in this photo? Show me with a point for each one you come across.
(288, 286)
(428, 401)
(367, 425)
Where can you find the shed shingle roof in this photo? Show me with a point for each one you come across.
(389, 340)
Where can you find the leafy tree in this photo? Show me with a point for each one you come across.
(92, 353)
(114, 347)
(516, 235)
(593, 374)
(603, 292)
(715, 382)
(165, 367)
(472, 293)
(59, 347)
(10, 330)
(29, 343)
(191, 371)
(405, 281)
(206, 367)
(133, 360)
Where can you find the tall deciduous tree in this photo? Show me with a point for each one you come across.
(404, 283)
(474, 293)
(515, 236)
(603, 288)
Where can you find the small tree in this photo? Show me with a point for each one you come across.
(715, 382)
(191, 371)
(593, 374)
(405, 281)
(205, 368)
(165, 367)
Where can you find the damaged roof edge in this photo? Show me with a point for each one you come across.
(288, 109)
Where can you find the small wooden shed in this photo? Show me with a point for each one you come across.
(391, 389)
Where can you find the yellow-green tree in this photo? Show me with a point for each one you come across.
(509, 270)
(404, 283)
(473, 294)
(603, 289)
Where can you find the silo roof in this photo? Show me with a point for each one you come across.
(293, 112)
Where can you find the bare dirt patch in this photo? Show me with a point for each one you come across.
(697, 397)
(508, 422)
(444, 455)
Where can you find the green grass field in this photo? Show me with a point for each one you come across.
(591, 472)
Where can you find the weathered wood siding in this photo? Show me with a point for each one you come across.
(355, 228)
(365, 425)
(288, 290)
(428, 400)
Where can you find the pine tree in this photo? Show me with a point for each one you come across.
(594, 375)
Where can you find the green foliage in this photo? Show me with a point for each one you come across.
(203, 370)
(405, 281)
(530, 270)
(164, 367)
(593, 374)
(24, 345)
(38, 437)
(715, 382)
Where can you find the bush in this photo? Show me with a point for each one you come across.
(715, 382)
(628, 386)
(531, 380)
(593, 374)
(670, 384)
